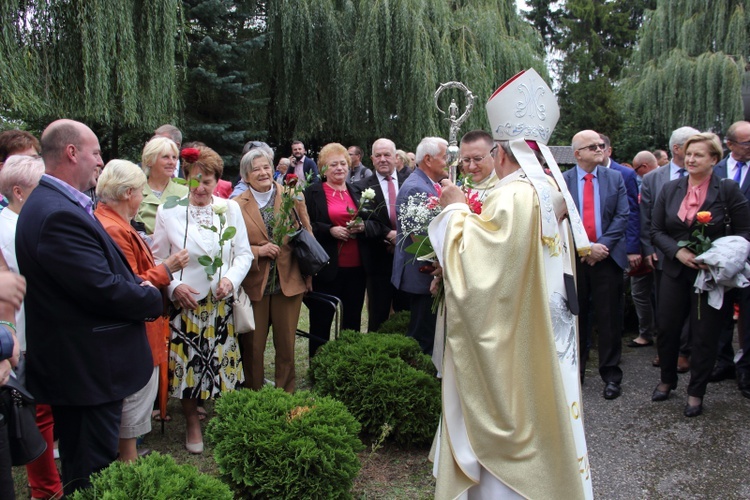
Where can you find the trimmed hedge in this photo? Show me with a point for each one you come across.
(156, 477)
(271, 444)
(381, 379)
(398, 323)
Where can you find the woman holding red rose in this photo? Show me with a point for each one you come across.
(698, 204)
(274, 283)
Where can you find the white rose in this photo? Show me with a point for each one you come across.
(368, 194)
(219, 209)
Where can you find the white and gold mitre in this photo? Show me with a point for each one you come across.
(524, 107)
(524, 112)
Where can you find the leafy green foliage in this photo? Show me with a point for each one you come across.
(688, 68)
(113, 68)
(271, 444)
(357, 70)
(382, 379)
(398, 323)
(156, 477)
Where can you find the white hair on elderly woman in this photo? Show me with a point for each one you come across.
(117, 177)
(20, 170)
(246, 163)
(154, 148)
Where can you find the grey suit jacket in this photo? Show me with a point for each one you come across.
(406, 275)
(653, 182)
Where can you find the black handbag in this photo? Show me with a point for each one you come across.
(311, 256)
(25, 440)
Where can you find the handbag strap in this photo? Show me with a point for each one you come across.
(296, 216)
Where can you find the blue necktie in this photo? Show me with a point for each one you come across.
(738, 172)
(681, 172)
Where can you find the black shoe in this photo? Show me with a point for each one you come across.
(693, 411)
(636, 345)
(743, 383)
(720, 373)
(612, 390)
(662, 395)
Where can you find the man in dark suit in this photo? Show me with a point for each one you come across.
(377, 257)
(630, 178)
(735, 166)
(653, 182)
(407, 277)
(601, 199)
(85, 309)
(305, 168)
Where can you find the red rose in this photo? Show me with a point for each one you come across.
(291, 179)
(703, 217)
(190, 155)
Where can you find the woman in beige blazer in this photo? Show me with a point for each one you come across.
(274, 284)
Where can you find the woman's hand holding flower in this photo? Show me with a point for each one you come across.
(269, 250)
(178, 260)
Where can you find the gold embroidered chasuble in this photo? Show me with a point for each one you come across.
(504, 399)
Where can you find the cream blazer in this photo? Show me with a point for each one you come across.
(169, 235)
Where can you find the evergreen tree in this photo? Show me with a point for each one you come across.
(595, 37)
(223, 100)
(688, 68)
(356, 70)
(109, 64)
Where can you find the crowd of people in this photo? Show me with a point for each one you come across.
(118, 281)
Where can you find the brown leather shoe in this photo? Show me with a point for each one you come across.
(656, 362)
(683, 364)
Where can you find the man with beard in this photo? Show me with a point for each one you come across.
(302, 166)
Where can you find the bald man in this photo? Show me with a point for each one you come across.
(85, 309)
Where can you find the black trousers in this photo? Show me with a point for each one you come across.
(88, 441)
(349, 287)
(726, 351)
(601, 286)
(678, 301)
(380, 294)
(422, 321)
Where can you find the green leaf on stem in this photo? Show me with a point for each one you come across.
(205, 260)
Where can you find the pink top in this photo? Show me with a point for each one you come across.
(338, 202)
(693, 200)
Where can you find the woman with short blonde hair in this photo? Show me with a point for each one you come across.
(120, 193)
(159, 162)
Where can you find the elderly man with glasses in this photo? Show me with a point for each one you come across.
(600, 196)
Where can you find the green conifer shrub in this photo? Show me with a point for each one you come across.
(382, 379)
(398, 323)
(156, 477)
(271, 444)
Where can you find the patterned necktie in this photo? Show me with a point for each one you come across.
(589, 218)
(738, 171)
(681, 173)
(391, 201)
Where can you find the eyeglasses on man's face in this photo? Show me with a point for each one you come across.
(477, 159)
(594, 147)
